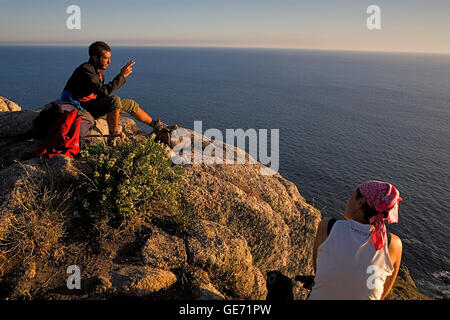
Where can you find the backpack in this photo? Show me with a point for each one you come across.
(279, 286)
(63, 137)
(50, 114)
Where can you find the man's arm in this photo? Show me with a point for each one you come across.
(94, 85)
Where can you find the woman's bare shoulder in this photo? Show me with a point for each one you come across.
(395, 240)
(395, 248)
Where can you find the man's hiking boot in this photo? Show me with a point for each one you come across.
(159, 124)
(163, 132)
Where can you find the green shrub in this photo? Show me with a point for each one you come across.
(132, 178)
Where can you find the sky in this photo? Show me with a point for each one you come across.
(406, 25)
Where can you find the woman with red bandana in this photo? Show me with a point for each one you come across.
(355, 259)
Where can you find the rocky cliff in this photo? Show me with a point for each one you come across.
(244, 224)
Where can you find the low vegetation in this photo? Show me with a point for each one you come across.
(119, 191)
(32, 232)
(131, 179)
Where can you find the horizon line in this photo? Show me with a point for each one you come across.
(223, 47)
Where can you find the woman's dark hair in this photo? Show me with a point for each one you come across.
(369, 212)
(97, 48)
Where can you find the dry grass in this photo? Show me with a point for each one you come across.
(405, 288)
(40, 237)
(31, 231)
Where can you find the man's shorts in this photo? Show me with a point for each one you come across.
(102, 106)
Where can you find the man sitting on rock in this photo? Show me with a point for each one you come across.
(87, 86)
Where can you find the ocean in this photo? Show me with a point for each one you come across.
(343, 118)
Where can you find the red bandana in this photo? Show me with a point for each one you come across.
(383, 197)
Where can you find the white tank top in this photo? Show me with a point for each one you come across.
(348, 266)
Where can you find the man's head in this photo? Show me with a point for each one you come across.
(100, 54)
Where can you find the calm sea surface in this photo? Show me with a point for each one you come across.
(344, 117)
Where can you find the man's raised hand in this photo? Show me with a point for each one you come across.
(127, 69)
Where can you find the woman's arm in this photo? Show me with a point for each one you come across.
(395, 253)
(321, 235)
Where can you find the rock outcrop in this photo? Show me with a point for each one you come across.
(8, 105)
(140, 281)
(247, 224)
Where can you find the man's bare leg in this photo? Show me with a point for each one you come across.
(112, 118)
(142, 116)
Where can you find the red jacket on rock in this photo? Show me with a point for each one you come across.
(63, 137)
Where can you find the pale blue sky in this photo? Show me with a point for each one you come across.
(414, 25)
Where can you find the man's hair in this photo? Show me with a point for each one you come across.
(97, 48)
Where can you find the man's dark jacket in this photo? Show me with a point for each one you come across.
(88, 83)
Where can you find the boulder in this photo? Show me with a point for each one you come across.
(227, 258)
(207, 291)
(202, 288)
(18, 151)
(8, 105)
(140, 280)
(13, 178)
(266, 210)
(15, 124)
(164, 251)
(242, 199)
